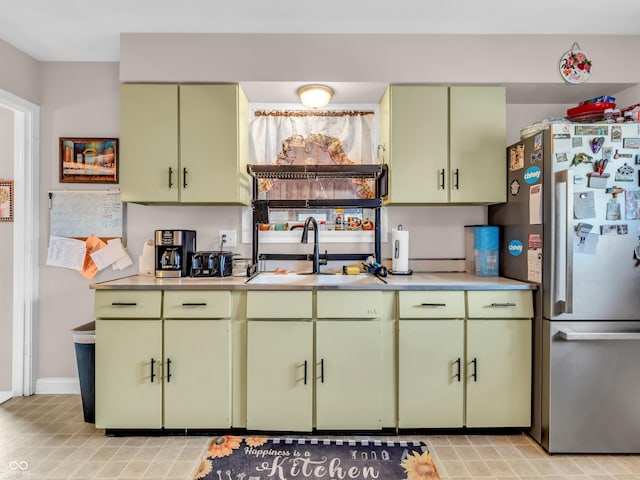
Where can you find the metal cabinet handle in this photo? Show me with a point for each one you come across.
(168, 370)
(322, 370)
(458, 374)
(153, 368)
(507, 304)
(442, 184)
(474, 375)
(194, 304)
(123, 304)
(456, 181)
(170, 178)
(184, 177)
(433, 305)
(305, 372)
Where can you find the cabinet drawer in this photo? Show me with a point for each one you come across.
(500, 304)
(431, 304)
(349, 304)
(127, 304)
(279, 304)
(197, 304)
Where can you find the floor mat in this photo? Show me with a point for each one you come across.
(231, 457)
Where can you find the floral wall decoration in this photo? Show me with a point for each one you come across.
(6, 200)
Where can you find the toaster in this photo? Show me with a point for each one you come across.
(211, 264)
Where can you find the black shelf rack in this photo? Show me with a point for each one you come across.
(376, 172)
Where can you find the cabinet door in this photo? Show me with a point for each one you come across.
(477, 144)
(149, 143)
(348, 374)
(128, 373)
(498, 373)
(430, 373)
(214, 144)
(418, 150)
(279, 375)
(197, 390)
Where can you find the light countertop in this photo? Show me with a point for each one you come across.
(416, 281)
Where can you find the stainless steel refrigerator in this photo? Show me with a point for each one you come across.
(572, 225)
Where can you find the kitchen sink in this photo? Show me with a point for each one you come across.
(360, 279)
(269, 278)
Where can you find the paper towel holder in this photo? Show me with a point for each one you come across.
(396, 248)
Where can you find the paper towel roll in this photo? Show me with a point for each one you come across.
(400, 250)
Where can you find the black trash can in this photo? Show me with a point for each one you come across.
(84, 338)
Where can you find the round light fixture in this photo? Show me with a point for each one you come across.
(315, 96)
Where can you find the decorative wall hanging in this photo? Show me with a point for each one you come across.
(6, 200)
(575, 66)
(89, 160)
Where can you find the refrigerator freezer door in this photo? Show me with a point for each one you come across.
(592, 388)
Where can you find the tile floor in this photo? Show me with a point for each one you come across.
(45, 437)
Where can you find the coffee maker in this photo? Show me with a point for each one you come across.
(173, 252)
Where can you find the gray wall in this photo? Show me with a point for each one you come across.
(82, 99)
(20, 74)
(6, 266)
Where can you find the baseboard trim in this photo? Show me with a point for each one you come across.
(5, 395)
(57, 386)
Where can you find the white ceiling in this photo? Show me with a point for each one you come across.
(89, 30)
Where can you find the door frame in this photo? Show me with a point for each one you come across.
(26, 238)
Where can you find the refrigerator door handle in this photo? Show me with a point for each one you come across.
(565, 222)
(566, 334)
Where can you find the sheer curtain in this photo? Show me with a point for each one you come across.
(273, 132)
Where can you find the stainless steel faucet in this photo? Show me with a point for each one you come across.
(304, 239)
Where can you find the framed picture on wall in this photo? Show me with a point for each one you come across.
(6, 200)
(88, 160)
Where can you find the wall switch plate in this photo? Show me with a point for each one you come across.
(230, 238)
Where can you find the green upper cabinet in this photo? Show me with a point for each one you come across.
(477, 144)
(177, 139)
(444, 144)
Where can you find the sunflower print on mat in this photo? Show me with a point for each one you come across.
(204, 469)
(420, 467)
(223, 446)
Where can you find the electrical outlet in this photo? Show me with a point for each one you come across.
(230, 238)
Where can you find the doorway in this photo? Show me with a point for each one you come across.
(26, 220)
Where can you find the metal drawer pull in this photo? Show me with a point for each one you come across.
(571, 335)
(168, 370)
(458, 374)
(123, 304)
(508, 304)
(322, 370)
(433, 305)
(305, 372)
(200, 304)
(456, 182)
(442, 185)
(474, 375)
(170, 178)
(153, 365)
(184, 177)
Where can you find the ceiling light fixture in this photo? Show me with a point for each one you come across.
(315, 96)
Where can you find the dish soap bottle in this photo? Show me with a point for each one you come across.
(339, 219)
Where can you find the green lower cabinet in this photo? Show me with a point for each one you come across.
(498, 373)
(348, 374)
(430, 376)
(280, 375)
(129, 373)
(197, 364)
(139, 387)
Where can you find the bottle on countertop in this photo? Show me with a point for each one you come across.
(339, 219)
